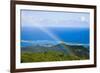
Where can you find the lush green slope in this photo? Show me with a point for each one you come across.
(60, 52)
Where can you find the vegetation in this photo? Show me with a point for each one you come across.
(59, 52)
(48, 56)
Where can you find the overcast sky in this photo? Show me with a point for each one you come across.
(34, 18)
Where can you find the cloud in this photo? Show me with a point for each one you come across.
(55, 20)
(27, 41)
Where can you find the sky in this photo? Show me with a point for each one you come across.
(60, 20)
(36, 18)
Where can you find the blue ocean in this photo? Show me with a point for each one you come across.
(68, 35)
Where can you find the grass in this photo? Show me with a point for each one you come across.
(48, 56)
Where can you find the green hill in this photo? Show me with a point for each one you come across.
(59, 52)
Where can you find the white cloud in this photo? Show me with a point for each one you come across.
(33, 21)
(83, 18)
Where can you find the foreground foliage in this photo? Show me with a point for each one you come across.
(48, 56)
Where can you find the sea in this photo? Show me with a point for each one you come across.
(31, 35)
